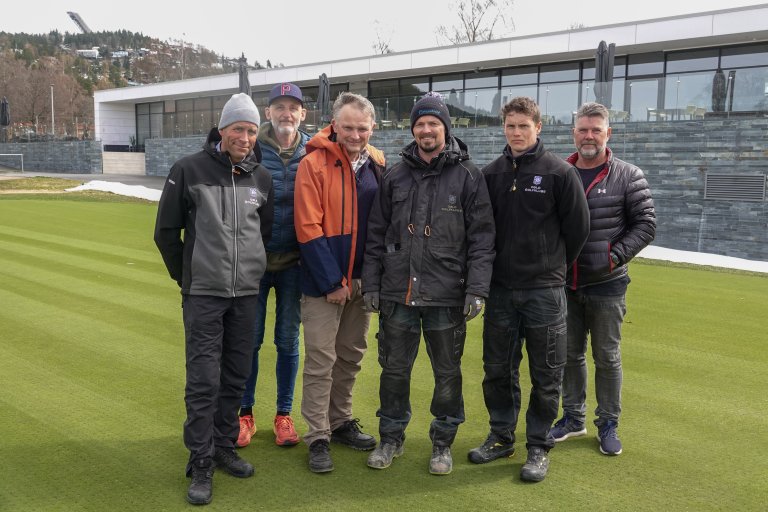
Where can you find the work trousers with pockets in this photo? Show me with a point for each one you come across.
(335, 340)
(399, 335)
(538, 315)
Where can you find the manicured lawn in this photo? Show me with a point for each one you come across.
(92, 376)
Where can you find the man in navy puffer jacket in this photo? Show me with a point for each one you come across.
(282, 148)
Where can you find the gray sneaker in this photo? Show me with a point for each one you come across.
(320, 457)
(536, 465)
(441, 462)
(381, 457)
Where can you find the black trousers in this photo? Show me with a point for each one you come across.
(400, 329)
(219, 334)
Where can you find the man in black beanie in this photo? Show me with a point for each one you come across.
(427, 266)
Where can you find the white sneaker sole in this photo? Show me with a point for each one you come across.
(577, 433)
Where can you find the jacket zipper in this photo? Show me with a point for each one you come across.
(234, 234)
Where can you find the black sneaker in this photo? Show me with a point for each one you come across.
(230, 461)
(493, 448)
(536, 465)
(200, 490)
(350, 434)
(567, 427)
(320, 457)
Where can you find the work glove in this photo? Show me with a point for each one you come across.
(473, 305)
(371, 301)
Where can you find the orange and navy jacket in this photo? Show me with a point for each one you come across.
(326, 213)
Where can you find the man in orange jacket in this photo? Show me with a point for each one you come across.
(335, 187)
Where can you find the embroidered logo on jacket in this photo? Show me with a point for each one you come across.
(452, 207)
(536, 188)
(253, 197)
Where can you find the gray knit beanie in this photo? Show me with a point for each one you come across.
(240, 107)
(431, 104)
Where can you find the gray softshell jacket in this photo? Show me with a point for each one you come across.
(225, 213)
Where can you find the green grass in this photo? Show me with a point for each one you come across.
(92, 377)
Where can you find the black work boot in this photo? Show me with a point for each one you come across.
(320, 457)
(494, 447)
(200, 490)
(230, 461)
(350, 434)
(536, 465)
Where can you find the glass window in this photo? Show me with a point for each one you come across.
(558, 101)
(142, 129)
(481, 79)
(692, 61)
(185, 105)
(142, 108)
(202, 104)
(646, 64)
(588, 70)
(745, 56)
(219, 101)
(528, 91)
(643, 96)
(519, 76)
(559, 72)
(448, 82)
(619, 67)
(382, 88)
(416, 84)
(747, 90)
(685, 93)
(156, 108)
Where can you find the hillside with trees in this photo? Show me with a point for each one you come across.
(70, 67)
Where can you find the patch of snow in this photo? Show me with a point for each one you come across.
(121, 189)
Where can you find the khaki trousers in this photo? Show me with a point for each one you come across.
(335, 340)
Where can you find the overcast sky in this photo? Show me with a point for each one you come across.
(304, 31)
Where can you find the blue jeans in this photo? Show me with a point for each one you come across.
(601, 317)
(445, 331)
(538, 316)
(288, 318)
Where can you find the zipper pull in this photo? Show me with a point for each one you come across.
(514, 185)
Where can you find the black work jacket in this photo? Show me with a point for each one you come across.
(430, 233)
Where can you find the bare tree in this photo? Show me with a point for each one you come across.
(479, 20)
(382, 44)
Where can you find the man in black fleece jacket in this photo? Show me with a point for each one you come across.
(542, 221)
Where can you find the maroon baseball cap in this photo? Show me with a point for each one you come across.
(286, 89)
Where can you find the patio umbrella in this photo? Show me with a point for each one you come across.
(245, 83)
(5, 116)
(604, 59)
(324, 99)
(718, 91)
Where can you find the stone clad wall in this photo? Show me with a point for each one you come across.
(675, 157)
(78, 157)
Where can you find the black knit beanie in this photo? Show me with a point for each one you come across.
(431, 104)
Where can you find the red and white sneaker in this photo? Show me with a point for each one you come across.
(247, 430)
(285, 433)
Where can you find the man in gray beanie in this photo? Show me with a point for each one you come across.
(222, 199)
(427, 266)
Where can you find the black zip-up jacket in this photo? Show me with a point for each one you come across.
(541, 215)
(430, 233)
(622, 222)
(225, 211)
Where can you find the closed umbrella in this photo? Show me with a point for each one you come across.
(324, 99)
(718, 91)
(5, 116)
(604, 59)
(245, 82)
